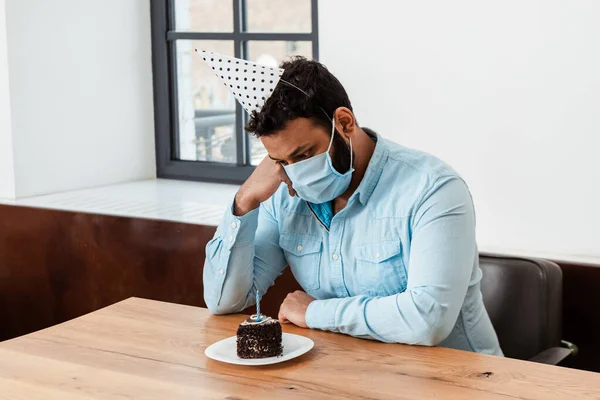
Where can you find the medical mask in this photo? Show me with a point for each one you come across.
(316, 180)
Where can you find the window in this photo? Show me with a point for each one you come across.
(199, 125)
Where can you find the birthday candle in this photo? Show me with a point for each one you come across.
(258, 316)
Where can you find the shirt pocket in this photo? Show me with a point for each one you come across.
(380, 270)
(303, 254)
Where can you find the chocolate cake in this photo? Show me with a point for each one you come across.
(259, 338)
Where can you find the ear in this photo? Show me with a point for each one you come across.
(345, 121)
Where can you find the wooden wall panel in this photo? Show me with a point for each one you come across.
(581, 313)
(58, 265)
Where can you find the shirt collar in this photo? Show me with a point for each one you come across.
(374, 169)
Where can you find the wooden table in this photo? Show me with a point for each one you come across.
(141, 349)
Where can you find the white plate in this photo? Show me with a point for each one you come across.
(226, 351)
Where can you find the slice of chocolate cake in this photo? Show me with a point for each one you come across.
(259, 338)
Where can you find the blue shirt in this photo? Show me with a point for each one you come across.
(398, 264)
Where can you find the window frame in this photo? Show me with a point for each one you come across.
(164, 71)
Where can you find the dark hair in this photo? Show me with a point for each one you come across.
(324, 94)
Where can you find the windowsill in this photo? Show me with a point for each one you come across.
(170, 200)
(198, 203)
(591, 260)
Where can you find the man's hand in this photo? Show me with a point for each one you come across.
(293, 309)
(261, 185)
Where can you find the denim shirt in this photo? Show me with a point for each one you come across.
(398, 264)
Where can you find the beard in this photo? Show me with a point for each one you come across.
(340, 159)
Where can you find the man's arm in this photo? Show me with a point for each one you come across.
(443, 251)
(244, 256)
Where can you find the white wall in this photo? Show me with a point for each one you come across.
(508, 92)
(7, 172)
(81, 93)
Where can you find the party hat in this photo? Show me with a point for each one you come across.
(250, 83)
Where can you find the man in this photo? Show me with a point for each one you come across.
(380, 237)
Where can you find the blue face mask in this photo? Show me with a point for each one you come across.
(315, 180)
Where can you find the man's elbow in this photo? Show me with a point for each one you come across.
(219, 308)
(215, 309)
(436, 332)
(433, 336)
(435, 322)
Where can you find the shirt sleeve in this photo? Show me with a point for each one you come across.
(442, 258)
(243, 256)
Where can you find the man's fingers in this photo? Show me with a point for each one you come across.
(288, 182)
(291, 191)
(281, 316)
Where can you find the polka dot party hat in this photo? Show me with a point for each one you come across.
(250, 83)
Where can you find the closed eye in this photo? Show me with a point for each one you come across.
(299, 155)
(304, 156)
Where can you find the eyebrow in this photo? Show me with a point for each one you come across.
(295, 153)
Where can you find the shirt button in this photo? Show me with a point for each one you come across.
(221, 271)
(299, 247)
(230, 238)
(233, 225)
(335, 256)
(377, 255)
